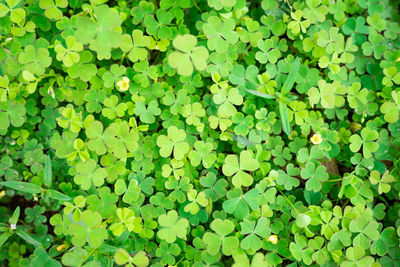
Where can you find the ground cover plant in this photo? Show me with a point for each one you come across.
(199, 133)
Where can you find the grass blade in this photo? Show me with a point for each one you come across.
(28, 238)
(284, 114)
(4, 237)
(263, 95)
(14, 218)
(47, 172)
(23, 187)
(57, 195)
(287, 86)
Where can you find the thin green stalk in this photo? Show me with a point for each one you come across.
(196, 6)
(288, 200)
(335, 180)
(122, 58)
(88, 256)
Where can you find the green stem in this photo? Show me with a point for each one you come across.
(122, 58)
(288, 200)
(335, 180)
(176, 264)
(87, 257)
(196, 6)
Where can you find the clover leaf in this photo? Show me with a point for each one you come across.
(196, 199)
(122, 257)
(126, 221)
(188, 55)
(391, 109)
(236, 167)
(88, 230)
(214, 188)
(366, 141)
(220, 34)
(315, 176)
(174, 142)
(220, 238)
(100, 140)
(288, 179)
(226, 101)
(11, 113)
(329, 95)
(202, 154)
(89, 173)
(254, 231)
(69, 55)
(193, 113)
(172, 227)
(383, 182)
(127, 139)
(100, 34)
(84, 69)
(269, 51)
(298, 24)
(367, 231)
(158, 27)
(135, 45)
(239, 204)
(52, 8)
(148, 114)
(103, 202)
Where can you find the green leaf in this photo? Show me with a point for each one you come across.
(4, 237)
(122, 257)
(263, 95)
(57, 195)
(287, 86)
(28, 238)
(284, 114)
(172, 227)
(188, 55)
(14, 218)
(237, 168)
(23, 187)
(303, 220)
(47, 172)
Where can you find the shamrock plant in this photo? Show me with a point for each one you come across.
(219, 238)
(237, 166)
(187, 55)
(172, 227)
(174, 142)
(199, 133)
(367, 141)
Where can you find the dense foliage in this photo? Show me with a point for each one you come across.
(199, 133)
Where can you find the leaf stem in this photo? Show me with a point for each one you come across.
(122, 58)
(335, 180)
(88, 256)
(288, 200)
(196, 6)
